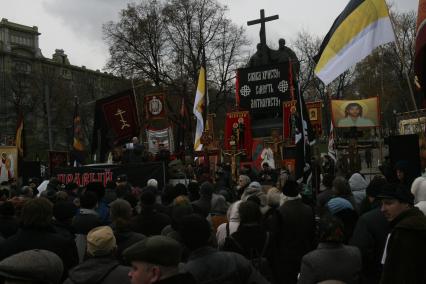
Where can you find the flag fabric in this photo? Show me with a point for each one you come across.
(331, 143)
(19, 141)
(77, 154)
(77, 143)
(116, 122)
(182, 127)
(358, 30)
(199, 106)
(304, 136)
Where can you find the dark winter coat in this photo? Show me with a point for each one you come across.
(47, 239)
(149, 222)
(406, 249)
(295, 238)
(9, 225)
(85, 221)
(125, 239)
(100, 270)
(370, 236)
(208, 265)
(331, 261)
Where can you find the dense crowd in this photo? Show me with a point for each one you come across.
(267, 228)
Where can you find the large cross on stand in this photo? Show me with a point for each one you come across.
(262, 22)
(234, 153)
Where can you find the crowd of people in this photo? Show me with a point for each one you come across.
(263, 229)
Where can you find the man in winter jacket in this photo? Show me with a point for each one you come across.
(403, 257)
(101, 266)
(156, 260)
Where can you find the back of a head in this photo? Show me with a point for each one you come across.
(330, 229)
(64, 210)
(375, 186)
(327, 180)
(37, 213)
(32, 266)
(157, 250)
(195, 231)
(147, 199)
(26, 191)
(341, 187)
(120, 209)
(249, 213)
(101, 241)
(273, 197)
(418, 189)
(96, 187)
(206, 189)
(88, 200)
(153, 183)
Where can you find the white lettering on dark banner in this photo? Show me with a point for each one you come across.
(263, 75)
(264, 89)
(267, 102)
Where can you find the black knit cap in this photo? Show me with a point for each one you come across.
(375, 186)
(399, 192)
(158, 250)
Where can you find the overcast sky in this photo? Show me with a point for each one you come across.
(76, 25)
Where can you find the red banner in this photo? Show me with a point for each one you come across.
(314, 111)
(289, 120)
(238, 129)
(155, 106)
(121, 116)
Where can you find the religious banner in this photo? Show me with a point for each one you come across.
(257, 149)
(137, 174)
(8, 163)
(160, 139)
(238, 130)
(289, 120)
(263, 89)
(356, 113)
(57, 159)
(155, 106)
(314, 112)
(116, 122)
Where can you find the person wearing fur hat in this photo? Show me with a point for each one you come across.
(156, 260)
(295, 234)
(100, 265)
(405, 250)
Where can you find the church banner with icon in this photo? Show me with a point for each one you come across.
(314, 111)
(159, 139)
(263, 89)
(8, 163)
(289, 120)
(155, 106)
(238, 131)
(356, 113)
(116, 122)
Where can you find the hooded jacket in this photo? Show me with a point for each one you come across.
(406, 248)
(358, 186)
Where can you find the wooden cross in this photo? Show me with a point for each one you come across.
(262, 22)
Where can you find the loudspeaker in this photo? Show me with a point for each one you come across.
(406, 148)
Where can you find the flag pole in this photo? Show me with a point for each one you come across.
(399, 54)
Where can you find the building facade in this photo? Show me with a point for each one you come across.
(44, 91)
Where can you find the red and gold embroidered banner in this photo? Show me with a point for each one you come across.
(238, 131)
(314, 112)
(289, 120)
